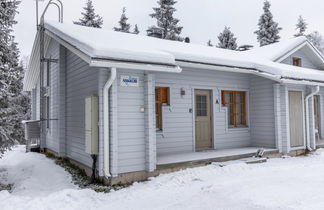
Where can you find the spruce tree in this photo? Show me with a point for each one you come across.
(268, 31)
(13, 103)
(89, 17)
(123, 25)
(227, 40)
(136, 30)
(317, 40)
(167, 26)
(301, 27)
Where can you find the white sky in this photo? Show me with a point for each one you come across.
(202, 19)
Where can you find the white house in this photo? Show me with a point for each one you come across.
(144, 104)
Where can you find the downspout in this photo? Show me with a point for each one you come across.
(106, 88)
(307, 116)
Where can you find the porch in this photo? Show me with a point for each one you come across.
(179, 159)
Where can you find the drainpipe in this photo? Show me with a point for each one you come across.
(317, 88)
(106, 88)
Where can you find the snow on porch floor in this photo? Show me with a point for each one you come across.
(279, 184)
(207, 154)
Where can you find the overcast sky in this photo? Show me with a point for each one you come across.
(202, 19)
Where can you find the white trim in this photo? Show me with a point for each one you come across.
(302, 90)
(306, 43)
(286, 55)
(277, 113)
(68, 46)
(212, 109)
(134, 66)
(247, 116)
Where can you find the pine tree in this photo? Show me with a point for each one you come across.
(209, 43)
(13, 103)
(167, 26)
(301, 27)
(317, 40)
(89, 17)
(136, 30)
(123, 25)
(227, 40)
(268, 32)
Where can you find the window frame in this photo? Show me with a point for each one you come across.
(298, 60)
(159, 104)
(233, 114)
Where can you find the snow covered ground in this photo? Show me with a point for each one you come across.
(291, 183)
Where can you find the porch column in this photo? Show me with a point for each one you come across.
(277, 113)
(311, 119)
(150, 130)
(285, 132)
(62, 102)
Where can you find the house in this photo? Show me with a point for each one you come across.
(141, 104)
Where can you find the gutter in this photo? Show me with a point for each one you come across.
(317, 88)
(106, 165)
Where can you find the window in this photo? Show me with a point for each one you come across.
(235, 102)
(161, 97)
(296, 61)
(201, 105)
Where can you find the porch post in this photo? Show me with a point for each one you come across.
(311, 119)
(284, 106)
(277, 113)
(150, 130)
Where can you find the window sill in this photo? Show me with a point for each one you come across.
(242, 128)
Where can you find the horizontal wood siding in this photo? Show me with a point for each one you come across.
(81, 81)
(177, 134)
(131, 135)
(262, 112)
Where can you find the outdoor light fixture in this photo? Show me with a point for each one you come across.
(182, 92)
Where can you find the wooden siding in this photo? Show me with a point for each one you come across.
(262, 116)
(52, 133)
(178, 134)
(81, 81)
(131, 134)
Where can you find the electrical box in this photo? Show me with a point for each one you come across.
(91, 125)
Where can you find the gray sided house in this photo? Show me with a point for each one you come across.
(143, 104)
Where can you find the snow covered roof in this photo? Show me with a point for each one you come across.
(106, 48)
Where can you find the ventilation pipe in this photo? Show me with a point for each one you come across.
(106, 166)
(317, 88)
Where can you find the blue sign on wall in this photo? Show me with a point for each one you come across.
(129, 81)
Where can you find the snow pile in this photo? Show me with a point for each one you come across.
(32, 174)
(291, 183)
